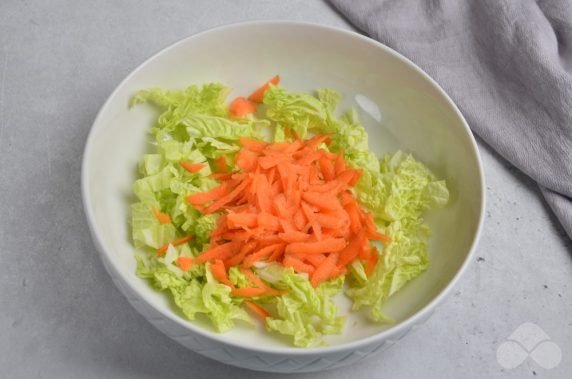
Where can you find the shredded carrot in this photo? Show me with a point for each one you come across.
(327, 167)
(371, 262)
(241, 107)
(324, 270)
(163, 218)
(258, 95)
(227, 198)
(323, 201)
(258, 255)
(294, 236)
(219, 272)
(290, 203)
(223, 252)
(192, 167)
(379, 237)
(351, 251)
(315, 259)
(246, 160)
(257, 309)
(315, 141)
(331, 245)
(242, 220)
(277, 254)
(244, 251)
(204, 197)
(253, 278)
(185, 263)
(221, 166)
(340, 164)
(297, 264)
(161, 250)
(252, 144)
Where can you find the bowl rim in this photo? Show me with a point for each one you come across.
(397, 329)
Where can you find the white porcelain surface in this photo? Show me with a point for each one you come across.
(402, 109)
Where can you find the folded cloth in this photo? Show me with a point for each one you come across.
(506, 64)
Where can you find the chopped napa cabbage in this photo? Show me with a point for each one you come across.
(194, 125)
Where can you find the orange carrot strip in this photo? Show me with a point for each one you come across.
(220, 164)
(269, 239)
(241, 107)
(241, 220)
(308, 211)
(218, 252)
(310, 158)
(299, 219)
(258, 95)
(257, 309)
(254, 279)
(365, 250)
(244, 251)
(293, 147)
(324, 270)
(351, 251)
(253, 144)
(330, 245)
(180, 241)
(246, 160)
(348, 176)
(203, 197)
(268, 221)
(279, 206)
(163, 218)
(185, 263)
(258, 255)
(242, 235)
(356, 178)
(315, 141)
(272, 161)
(277, 254)
(315, 259)
(329, 220)
(376, 236)
(328, 155)
(331, 186)
(371, 262)
(227, 198)
(317, 229)
(323, 201)
(219, 272)
(287, 226)
(192, 167)
(340, 164)
(275, 188)
(221, 175)
(294, 236)
(263, 199)
(353, 213)
(271, 175)
(297, 264)
(327, 168)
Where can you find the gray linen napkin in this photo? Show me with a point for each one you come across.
(507, 65)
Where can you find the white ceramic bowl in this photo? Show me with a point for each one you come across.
(401, 107)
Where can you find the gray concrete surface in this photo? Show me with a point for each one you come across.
(61, 317)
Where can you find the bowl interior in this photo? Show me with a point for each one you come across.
(400, 107)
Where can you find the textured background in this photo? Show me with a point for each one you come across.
(61, 317)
